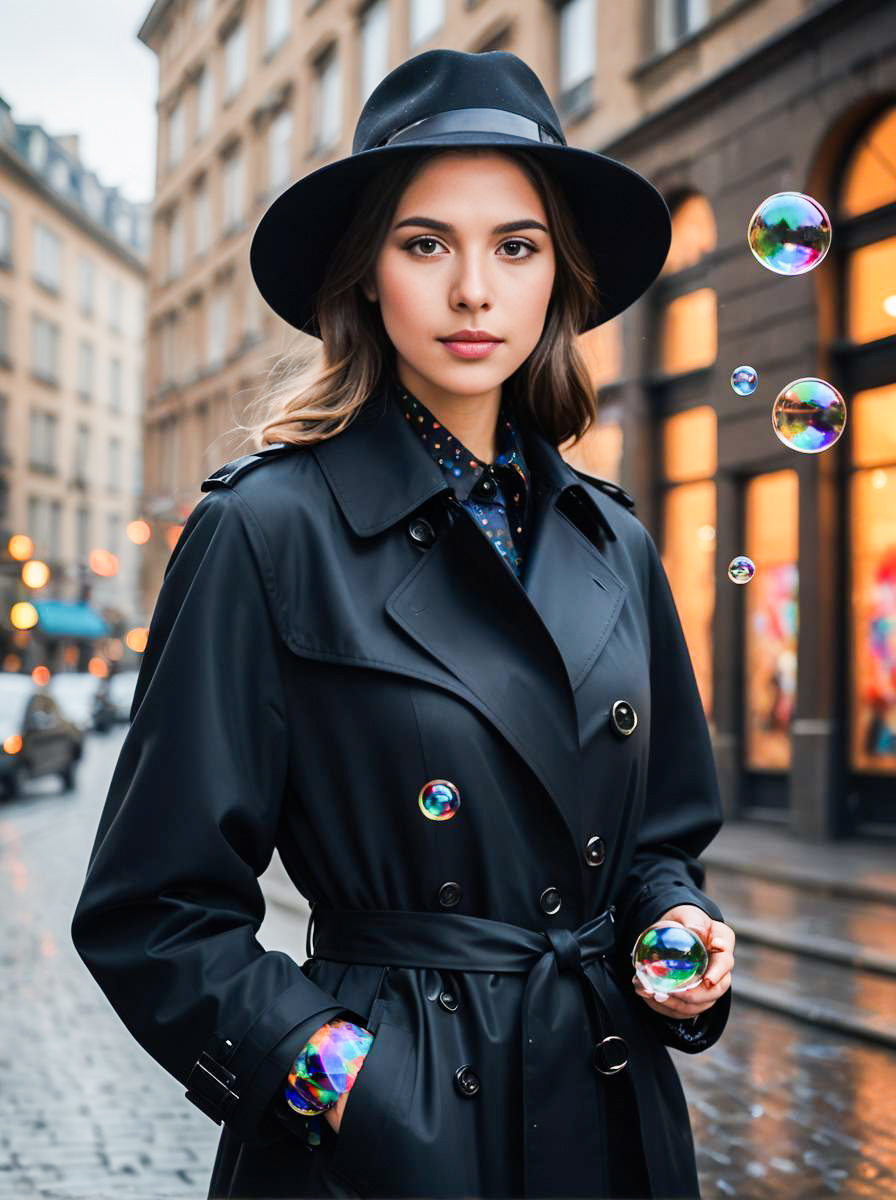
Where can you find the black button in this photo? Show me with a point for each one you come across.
(550, 900)
(624, 717)
(449, 894)
(466, 1080)
(421, 531)
(610, 1055)
(595, 852)
(485, 486)
(448, 1001)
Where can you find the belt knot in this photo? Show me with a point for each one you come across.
(566, 947)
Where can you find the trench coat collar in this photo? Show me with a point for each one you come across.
(381, 473)
(462, 605)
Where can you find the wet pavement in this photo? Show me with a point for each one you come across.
(779, 1108)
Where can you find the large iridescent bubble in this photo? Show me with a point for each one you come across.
(809, 415)
(741, 569)
(789, 233)
(744, 380)
(668, 957)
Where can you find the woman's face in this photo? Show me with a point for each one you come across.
(431, 282)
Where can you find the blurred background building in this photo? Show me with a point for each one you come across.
(72, 336)
(720, 103)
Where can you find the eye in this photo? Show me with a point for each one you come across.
(509, 242)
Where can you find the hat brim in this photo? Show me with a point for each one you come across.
(622, 217)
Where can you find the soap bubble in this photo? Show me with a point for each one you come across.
(741, 569)
(809, 415)
(744, 380)
(668, 957)
(789, 233)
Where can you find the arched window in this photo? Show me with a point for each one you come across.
(866, 227)
(687, 319)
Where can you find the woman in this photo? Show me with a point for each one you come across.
(441, 672)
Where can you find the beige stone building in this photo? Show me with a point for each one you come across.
(72, 320)
(721, 103)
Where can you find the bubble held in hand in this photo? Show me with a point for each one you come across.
(669, 958)
(789, 233)
(744, 380)
(741, 569)
(809, 415)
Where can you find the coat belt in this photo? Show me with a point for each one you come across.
(562, 966)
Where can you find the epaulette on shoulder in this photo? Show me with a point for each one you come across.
(620, 495)
(227, 475)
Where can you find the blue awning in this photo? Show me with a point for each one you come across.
(65, 618)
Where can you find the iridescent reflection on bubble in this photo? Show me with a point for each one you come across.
(669, 957)
(789, 233)
(744, 380)
(809, 415)
(741, 569)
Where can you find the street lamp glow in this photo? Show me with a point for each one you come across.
(23, 615)
(35, 573)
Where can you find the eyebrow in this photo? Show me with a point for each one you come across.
(444, 227)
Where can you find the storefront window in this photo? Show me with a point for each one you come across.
(772, 615)
(689, 532)
(873, 539)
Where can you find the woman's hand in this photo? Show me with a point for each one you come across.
(719, 939)
(333, 1115)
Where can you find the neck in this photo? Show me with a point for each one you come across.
(472, 420)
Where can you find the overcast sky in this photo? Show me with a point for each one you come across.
(76, 66)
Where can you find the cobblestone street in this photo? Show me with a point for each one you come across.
(779, 1108)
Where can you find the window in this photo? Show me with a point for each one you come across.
(86, 364)
(772, 616)
(578, 52)
(116, 305)
(82, 453)
(115, 385)
(427, 18)
(276, 23)
(205, 101)
(328, 101)
(47, 257)
(44, 349)
(175, 135)
(234, 190)
(201, 220)
(86, 282)
(54, 540)
(675, 20)
(113, 464)
(82, 534)
(873, 610)
(279, 150)
(4, 331)
(374, 46)
(5, 234)
(688, 538)
(167, 347)
(234, 60)
(688, 318)
(42, 441)
(175, 245)
(113, 525)
(216, 334)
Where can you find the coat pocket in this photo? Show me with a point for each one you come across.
(380, 1097)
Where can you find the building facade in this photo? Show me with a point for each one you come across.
(721, 103)
(72, 334)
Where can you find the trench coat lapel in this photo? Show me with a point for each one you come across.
(520, 648)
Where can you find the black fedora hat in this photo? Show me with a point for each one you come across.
(446, 98)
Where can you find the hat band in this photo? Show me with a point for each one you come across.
(473, 120)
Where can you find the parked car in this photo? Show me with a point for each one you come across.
(36, 737)
(120, 693)
(82, 698)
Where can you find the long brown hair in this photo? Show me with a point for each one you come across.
(315, 389)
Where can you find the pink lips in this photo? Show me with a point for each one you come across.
(471, 349)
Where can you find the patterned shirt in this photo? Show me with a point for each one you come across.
(496, 494)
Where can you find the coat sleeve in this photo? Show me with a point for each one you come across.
(170, 906)
(682, 812)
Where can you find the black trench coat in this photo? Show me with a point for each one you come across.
(334, 632)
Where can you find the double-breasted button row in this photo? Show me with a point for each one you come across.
(466, 1081)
